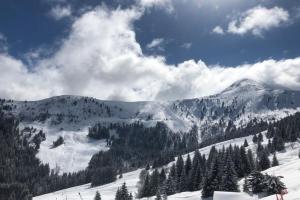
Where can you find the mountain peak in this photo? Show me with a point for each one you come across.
(245, 85)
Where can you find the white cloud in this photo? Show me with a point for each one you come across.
(156, 43)
(165, 4)
(257, 20)
(106, 62)
(58, 12)
(186, 45)
(218, 30)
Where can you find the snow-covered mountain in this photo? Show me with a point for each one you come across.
(71, 116)
(240, 102)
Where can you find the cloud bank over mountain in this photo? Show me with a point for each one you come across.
(102, 58)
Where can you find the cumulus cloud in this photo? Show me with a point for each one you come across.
(59, 12)
(218, 30)
(106, 62)
(257, 20)
(156, 43)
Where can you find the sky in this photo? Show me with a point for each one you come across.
(137, 50)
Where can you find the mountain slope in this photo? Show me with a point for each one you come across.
(289, 168)
(71, 116)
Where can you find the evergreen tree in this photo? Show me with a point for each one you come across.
(122, 193)
(270, 146)
(255, 182)
(260, 137)
(162, 176)
(154, 182)
(229, 178)
(158, 195)
(264, 161)
(245, 164)
(97, 196)
(145, 190)
(274, 161)
(188, 165)
(179, 169)
(278, 142)
(141, 183)
(273, 184)
(170, 186)
(254, 139)
(246, 143)
(147, 167)
(182, 182)
(212, 180)
(251, 159)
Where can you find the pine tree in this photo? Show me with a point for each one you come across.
(270, 146)
(141, 182)
(179, 169)
(212, 180)
(122, 194)
(254, 139)
(245, 164)
(251, 159)
(145, 190)
(273, 184)
(147, 167)
(255, 182)
(130, 196)
(170, 186)
(264, 161)
(188, 165)
(229, 178)
(278, 142)
(154, 182)
(162, 176)
(158, 195)
(118, 195)
(274, 161)
(246, 143)
(260, 137)
(97, 196)
(182, 182)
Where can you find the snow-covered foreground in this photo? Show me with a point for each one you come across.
(289, 168)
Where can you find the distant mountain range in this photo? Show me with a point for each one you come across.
(241, 102)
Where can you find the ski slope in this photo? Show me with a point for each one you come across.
(76, 152)
(289, 168)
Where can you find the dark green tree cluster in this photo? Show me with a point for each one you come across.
(282, 131)
(99, 132)
(97, 196)
(59, 141)
(123, 194)
(21, 172)
(257, 182)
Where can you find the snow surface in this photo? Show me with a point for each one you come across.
(219, 195)
(289, 168)
(74, 154)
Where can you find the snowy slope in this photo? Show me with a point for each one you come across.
(289, 167)
(70, 116)
(74, 154)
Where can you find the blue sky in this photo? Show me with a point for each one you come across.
(190, 40)
(29, 25)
